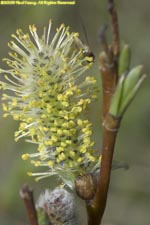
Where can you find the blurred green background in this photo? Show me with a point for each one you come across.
(129, 194)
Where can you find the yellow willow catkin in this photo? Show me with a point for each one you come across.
(48, 94)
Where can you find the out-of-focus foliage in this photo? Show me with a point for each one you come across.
(128, 202)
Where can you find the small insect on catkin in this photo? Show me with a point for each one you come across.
(85, 50)
(59, 205)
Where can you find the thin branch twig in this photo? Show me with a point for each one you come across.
(109, 78)
(108, 65)
(96, 209)
(115, 27)
(102, 37)
(26, 194)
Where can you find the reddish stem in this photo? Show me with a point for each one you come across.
(108, 65)
(27, 195)
(109, 78)
(115, 27)
(96, 209)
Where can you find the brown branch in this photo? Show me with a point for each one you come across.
(108, 60)
(108, 65)
(115, 27)
(103, 40)
(109, 78)
(97, 207)
(27, 195)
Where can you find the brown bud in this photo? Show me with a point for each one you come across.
(86, 186)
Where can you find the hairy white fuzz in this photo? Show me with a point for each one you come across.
(60, 206)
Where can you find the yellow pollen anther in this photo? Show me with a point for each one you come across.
(79, 160)
(29, 174)
(25, 156)
(50, 163)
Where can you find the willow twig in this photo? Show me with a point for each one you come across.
(109, 78)
(26, 194)
(115, 27)
(108, 65)
(96, 209)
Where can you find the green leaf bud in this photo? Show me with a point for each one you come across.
(132, 94)
(124, 60)
(117, 98)
(127, 87)
(131, 79)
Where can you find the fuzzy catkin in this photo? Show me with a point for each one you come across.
(60, 207)
(47, 91)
